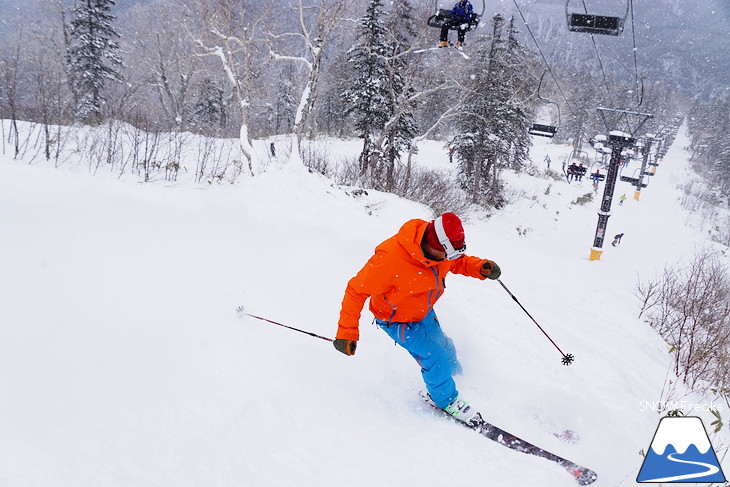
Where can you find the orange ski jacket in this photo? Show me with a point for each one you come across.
(402, 284)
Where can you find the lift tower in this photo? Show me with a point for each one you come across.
(617, 141)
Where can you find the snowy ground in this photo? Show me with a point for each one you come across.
(123, 362)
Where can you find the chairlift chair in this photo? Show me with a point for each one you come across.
(620, 139)
(442, 15)
(596, 24)
(544, 130)
(633, 181)
(596, 167)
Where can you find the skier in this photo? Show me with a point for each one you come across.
(547, 160)
(617, 239)
(621, 199)
(573, 171)
(404, 279)
(461, 14)
(596, 177)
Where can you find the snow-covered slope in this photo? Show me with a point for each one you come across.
(123, 362)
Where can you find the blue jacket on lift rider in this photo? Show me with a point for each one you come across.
(461, 14)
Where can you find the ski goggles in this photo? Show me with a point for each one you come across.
(451, 252)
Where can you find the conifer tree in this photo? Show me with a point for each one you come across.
(285, 105)
(519, 88)
(367, 98)
(708, 123)
(401, 127)
(579, 122)
(92, 57)
(209, 109)
(494, 121)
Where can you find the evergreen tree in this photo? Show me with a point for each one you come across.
(708, 125)
(401, 128)
(518, 59)
(580, 122)
(367, 98)
(209, 109)
(718, 143)
(286, 103)
(92, 56)
(493, 123)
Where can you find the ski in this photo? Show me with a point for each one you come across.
(583, 475)
(444, 47)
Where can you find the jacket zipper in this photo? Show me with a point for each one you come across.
(439, 287)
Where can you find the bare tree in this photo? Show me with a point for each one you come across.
(449, 114)
(47, 75)
(230, 33)
(10, 77)
(690, 308)
(166, 60)
(316, 24)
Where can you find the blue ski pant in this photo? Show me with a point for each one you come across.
(434, 352)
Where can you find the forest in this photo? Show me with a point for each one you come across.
(239, 70)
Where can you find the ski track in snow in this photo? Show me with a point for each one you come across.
(123, 362)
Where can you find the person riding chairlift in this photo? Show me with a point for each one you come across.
(461, 13)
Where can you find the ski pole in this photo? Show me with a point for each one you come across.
(242, 311)
(567, 359)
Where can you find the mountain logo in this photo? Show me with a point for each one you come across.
(680, 452)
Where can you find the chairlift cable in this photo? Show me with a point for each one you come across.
(542, 55)
(639, 83)
(603, 71)
(638, 79)
(598, 55)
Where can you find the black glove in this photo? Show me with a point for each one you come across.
(493, 268)
(345, 346)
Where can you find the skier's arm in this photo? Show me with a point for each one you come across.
(373, 278)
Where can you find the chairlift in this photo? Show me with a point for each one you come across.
(633, 181)
(617, 138)
(544, 130)
(596, 168)
(596, 24)
(442, 16)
